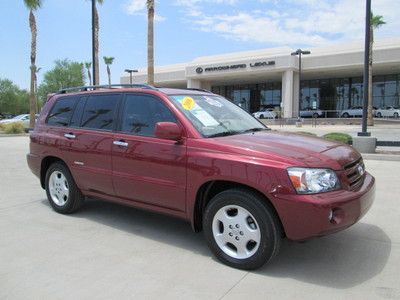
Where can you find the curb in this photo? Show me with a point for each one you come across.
(13, 135)
(382, 157)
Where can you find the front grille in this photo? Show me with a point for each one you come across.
(355, 173)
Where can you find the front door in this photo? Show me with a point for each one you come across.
(147, 169)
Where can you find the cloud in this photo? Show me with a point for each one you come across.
(289, 22)
(139, 7)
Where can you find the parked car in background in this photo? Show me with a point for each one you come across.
(311, 113)
(388, 112)
(265, 113)
(355, 111)
(24, 119)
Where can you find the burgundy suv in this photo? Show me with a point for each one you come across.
(197, 156)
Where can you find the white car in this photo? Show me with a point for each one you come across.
(355, 111)
(311, 113)
(389, 112)
(264, 114)
(24, 119)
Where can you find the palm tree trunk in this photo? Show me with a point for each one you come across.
(150, 44)
(109, 74)
(32, 97)
(370, 118)
(96, 76)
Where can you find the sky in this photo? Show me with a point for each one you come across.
(184, 30)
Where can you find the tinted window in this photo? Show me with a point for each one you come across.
(77, 116)
(62, 111)
(141, 113)
(99, 112)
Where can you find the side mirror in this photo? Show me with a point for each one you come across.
(168, 131)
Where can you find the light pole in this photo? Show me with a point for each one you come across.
(366, 69)
(130, 71)
(93, 45)
(300, 52)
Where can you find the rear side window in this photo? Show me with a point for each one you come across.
(61, 112)
(99, 112)
(77, 116)
(141, 113)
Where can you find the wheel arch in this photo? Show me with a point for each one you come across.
(211, 188)
(46, 163)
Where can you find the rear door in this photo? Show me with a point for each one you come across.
(145, 168)
(90, 137)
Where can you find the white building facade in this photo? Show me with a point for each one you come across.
(331, 77)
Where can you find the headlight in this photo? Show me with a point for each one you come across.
(312, 181)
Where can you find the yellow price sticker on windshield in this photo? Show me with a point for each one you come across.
(188, 103)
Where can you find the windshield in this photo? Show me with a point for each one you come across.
(216, 116)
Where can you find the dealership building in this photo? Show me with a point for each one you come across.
(331, 77)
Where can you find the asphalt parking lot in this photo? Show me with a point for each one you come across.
(106, 251)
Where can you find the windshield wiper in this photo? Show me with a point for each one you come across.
(254, 130)
(223, 133)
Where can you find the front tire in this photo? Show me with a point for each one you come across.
(241, 229)
(62, 192)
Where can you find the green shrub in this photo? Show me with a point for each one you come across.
(2, 126)
(339, 137)
(12, 128)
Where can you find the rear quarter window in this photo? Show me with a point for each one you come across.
(61, 113)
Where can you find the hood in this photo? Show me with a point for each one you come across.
(297, 148)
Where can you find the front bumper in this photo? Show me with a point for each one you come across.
(307, 216)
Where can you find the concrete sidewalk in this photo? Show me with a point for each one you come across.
(107, 251)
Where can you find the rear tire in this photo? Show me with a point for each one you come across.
(378, 115)
(396, 115)
(62, 192)
(345, 115)
(261, 116)
(241, 229)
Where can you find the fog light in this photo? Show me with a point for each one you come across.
(336, 215)
(330, 216)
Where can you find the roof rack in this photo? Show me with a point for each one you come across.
(200, 90)
(106, 86)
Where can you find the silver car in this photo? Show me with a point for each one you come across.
(264, 113)
(388, 112)
(24, 119)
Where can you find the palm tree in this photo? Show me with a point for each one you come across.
(96, 29)
(108, 61)
(32, 5)
(376, 22)
(150, 41)
(37, 70)
(88, 65)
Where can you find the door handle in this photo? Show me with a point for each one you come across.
(121, 143)
(70, 135)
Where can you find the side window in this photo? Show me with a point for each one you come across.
(142, 112)
(61, 112)
(77, 116)
(99, 112)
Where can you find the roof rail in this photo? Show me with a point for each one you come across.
(105, 86)
(200, 90)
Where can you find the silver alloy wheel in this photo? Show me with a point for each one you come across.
(58, 188)
(236, 231)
